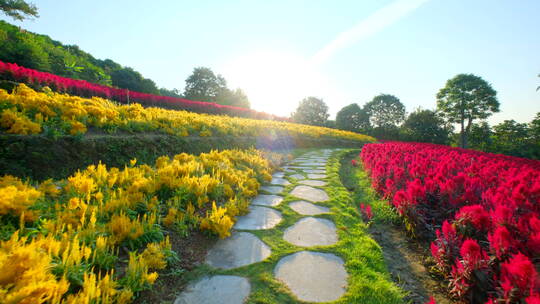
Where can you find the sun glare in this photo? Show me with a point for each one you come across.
(275, 81)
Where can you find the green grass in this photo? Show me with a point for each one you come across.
(368, 281)
(357, 181)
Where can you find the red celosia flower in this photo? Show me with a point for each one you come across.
(520, 272)
(500, 241)
(431, 300)
(498, 195)
(533, 299)
(473, 256)
(475, 215)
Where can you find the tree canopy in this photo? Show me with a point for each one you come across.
(426, 126)
(18, 9)
(385, 111)
(480, 136)
(204, 85)
(311, 111)
(352, 118)
(467, 97)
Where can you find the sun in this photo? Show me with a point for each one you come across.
(274, 81)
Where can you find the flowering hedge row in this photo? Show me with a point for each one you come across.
(26, 111)
(34, 78)
(482, 210)
(63, 238)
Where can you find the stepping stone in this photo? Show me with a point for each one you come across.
(241, 249)
(279, 181)
(307, 208)
(267, 200)
(297, 176)
(272, 189)
(316, 176)
(313, 183)
(312, 164)
(310, 194)
(278, 175)
(311, 231)
(259, 218)
(313, 276)
(216, 290)
(318, 171)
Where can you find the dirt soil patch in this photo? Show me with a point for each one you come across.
(191, 251)
(406, 261)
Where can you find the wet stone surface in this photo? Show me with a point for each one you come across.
(310, 194)
(297, 176)
(279, 181)
(317, 171)
(267, 200)
(313, 163)
(278, 175)
(258, 218)
(313, 183)
(307, 208)
(316, 176)
(313, 276)
(311, 231)
(272, 189)
(216, 290)
(241, 249)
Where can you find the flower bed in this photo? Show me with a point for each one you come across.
(481, 209)
(34, 78)
(26, 111)
(65, 240)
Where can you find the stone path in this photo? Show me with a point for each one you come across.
(309, 275)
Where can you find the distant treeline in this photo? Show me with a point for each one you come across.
(42, 53)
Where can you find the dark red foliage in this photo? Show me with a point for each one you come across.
(34, 78)
(481, 209)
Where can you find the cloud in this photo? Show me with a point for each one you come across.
(373, 24)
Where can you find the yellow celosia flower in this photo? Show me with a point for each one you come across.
(17, 197)
(84, 112)
(122, 227)
(77, 128)
(218, 221)
(25, 273)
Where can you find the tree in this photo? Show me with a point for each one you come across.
(385, 111)
(170, 93)
(352, 118)
(235, 98)
(128, 78)
(18, 9)
(534, 129)
(204, 85)
(480, 136)
(426, 126)
(311, 111)
(512, 138)
(467, 97)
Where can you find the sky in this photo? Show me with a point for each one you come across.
(342, 51)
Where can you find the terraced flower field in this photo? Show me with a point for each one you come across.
(26, 111)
